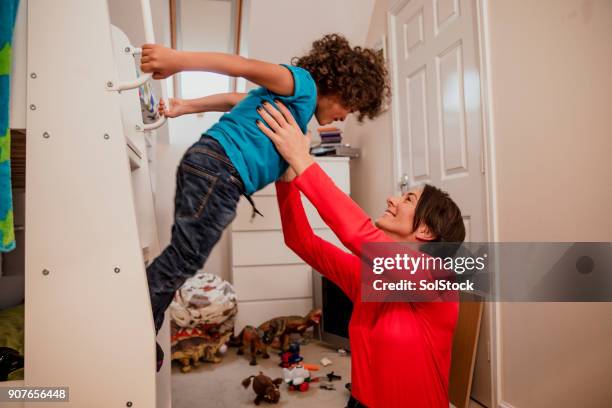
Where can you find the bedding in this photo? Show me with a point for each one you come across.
(12, 333)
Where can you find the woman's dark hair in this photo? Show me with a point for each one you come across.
(443, 217)
(358, 76)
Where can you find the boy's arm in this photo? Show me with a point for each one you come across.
(213, 103)
(164, 62)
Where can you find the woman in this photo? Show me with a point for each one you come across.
(400, 351)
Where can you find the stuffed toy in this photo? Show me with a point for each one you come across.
(265, 389)
(202, 320)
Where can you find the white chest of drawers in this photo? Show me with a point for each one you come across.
(270, 280)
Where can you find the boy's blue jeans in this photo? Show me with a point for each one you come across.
(208, 189)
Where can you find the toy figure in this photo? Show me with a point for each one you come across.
(256, 340)
(297, 378)
(265, 389)
(291, 356)
(286, 325)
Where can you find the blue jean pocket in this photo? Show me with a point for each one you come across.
(194, 187)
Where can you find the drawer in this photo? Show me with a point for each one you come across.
(251, 248)
(272, 282)
(255, 313)
(337, 168)
(268, 206)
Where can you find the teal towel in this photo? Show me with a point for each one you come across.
(8, 12)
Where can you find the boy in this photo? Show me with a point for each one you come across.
(233, 157)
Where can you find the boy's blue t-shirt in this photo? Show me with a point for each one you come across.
(251, 152)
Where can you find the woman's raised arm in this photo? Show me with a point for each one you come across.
(337, 265)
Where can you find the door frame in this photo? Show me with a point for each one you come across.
(488, 152)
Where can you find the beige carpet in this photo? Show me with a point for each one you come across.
(218, 385)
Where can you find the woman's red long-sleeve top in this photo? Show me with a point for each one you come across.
(401, 351)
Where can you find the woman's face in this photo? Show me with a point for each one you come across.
(398, 218)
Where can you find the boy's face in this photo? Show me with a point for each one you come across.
(330, 109)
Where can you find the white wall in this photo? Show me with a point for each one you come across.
(372, 174)
(551, 96)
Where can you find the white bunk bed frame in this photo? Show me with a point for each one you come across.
(90, 213)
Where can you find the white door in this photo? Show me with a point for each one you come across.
(437, 117)
(437, 112)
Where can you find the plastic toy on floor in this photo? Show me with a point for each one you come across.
(331, 377)
(265, 389)
(291, 356)
(287, 325)
(256, 341)
(297, 378)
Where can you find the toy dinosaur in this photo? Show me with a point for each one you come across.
(287, 325)
(265, 389)
(255, 340)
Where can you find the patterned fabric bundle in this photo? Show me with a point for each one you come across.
(8, 12)
(202, 319)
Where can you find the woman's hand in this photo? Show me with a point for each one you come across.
(159, 60)
(286, 135)
(176, 107)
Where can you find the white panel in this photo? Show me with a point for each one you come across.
(18, 103)
(255, 313)
(418, 134)
(268, 206)
(272, 282)
(268, 247)
(90, 245)
(337, 168)
(445, 12)
(413, 33)
(451, 111)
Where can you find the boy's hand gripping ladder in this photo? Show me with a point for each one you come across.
(147, 19)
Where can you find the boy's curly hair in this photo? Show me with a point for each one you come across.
(357, 75)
